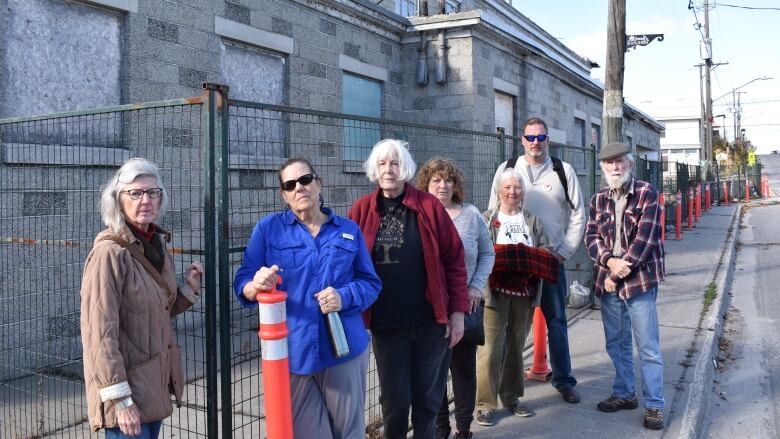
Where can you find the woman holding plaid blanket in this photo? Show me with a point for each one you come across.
(515, 285)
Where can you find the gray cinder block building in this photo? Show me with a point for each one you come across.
(478, 66)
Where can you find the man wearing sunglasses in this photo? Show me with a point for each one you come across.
(552, 194)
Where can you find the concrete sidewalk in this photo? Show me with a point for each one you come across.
(689, 335)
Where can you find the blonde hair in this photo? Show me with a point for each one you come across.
(110, 208)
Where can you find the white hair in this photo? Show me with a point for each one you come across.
(506, 173)
(110, 208)
(390, 148)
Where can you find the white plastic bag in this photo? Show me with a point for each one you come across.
(579, 295)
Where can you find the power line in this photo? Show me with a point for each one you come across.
(748, 7)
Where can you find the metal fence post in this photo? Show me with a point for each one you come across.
(223, 261)
(501, 145)
(210, 256)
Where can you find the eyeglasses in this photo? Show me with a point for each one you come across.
(304, 179)
(539, 137)
(137, 194)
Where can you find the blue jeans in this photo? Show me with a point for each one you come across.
(554, 310)
(412, 365)
(620, 317)
(149, 430)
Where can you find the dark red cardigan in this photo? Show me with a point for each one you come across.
(445, 266)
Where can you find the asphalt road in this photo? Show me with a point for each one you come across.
(746, 392)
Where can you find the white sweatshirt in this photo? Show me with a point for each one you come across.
(544, 198)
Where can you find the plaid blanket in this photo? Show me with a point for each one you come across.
(516, 264)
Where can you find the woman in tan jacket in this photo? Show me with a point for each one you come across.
(129, 293)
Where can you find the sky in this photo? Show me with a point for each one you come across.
(661, 78)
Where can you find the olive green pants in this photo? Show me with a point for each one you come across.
(500, 360)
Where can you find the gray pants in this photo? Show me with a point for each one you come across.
(329, 404)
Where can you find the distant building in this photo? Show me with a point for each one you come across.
(682, 140)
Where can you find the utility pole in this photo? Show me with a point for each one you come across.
(703, 110)
(613, 87)
(708, 85)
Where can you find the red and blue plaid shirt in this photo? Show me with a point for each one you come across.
(640, 238)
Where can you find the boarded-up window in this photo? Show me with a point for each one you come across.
(255, 76)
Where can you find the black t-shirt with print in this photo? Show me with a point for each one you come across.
(399, 262)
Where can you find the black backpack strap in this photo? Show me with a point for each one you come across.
(511, 163)
(558, 168)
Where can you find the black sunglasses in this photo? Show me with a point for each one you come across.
(531, 137)
(304, 179)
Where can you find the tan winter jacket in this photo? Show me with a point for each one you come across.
(128, 341)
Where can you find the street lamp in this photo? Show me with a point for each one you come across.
(735, 102)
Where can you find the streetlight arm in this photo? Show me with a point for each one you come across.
(762, 78)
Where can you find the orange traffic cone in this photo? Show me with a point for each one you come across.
(540, 371)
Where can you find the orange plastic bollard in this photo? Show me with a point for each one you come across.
(690, 208)
(678, 217)
(540, 371)
(747, 190)
(726, 193)
(276, 366)
(697, 207)
(663, 217)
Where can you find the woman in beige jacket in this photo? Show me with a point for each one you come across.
(129, 293)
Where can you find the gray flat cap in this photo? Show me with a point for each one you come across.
(614, 150)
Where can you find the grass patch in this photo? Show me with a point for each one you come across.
(710, 295)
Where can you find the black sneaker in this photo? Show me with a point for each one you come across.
(654, 419)
(442, 432)
(464, 435)
(485, 417)
(520, 410)
(614, 403)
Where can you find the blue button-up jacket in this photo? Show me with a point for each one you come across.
(336, 257)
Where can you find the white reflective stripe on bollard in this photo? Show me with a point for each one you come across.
(273, 314)
(274, 349)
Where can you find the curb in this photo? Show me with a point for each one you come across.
(698, 402)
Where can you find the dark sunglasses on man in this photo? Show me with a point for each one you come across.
(304, 179)
(539, 137)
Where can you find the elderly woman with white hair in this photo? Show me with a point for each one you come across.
(129, 292)
(514, 288)
(418, 317)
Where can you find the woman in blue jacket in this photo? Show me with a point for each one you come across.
(325, 267)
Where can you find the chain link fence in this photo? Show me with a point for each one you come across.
(219, 160)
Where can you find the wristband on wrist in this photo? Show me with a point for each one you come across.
(123, 403)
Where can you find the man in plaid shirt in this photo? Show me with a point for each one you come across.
(623, 237)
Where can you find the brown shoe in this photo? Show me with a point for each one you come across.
(654, 419)
(570, 395)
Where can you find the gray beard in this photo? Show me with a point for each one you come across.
(620, 182)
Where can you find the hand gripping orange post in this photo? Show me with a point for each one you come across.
(540, 371)
(276, 365)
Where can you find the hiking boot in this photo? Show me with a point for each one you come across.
(614, 403)
(520, 410)
(442, 432)
(463, 435)
(570, 395)
(485, 417)
(654, 419)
